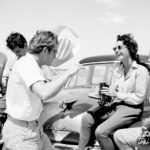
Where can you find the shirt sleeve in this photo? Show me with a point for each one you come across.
(9, 65)
(141, 81)
(30, 73)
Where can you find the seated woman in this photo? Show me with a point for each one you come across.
(128, 88)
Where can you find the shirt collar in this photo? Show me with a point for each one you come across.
(134, 64)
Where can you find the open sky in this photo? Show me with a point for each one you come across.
(97, 22)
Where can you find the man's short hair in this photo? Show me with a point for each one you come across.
(14, 40)
(42, 39)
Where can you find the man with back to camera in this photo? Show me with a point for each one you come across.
(27, 89)
(17, 43)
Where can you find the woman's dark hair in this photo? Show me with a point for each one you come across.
(14, 40)
(130, 43)
(132, 46)
(42, 39)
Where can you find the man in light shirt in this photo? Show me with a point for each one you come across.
(27, 90)
(17, 43)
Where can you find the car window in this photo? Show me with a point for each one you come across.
(92, 75)
(82, 76)
(79, 79)
(102, 73)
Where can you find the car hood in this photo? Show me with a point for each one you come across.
(63, 125)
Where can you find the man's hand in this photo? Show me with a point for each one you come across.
(74, 69)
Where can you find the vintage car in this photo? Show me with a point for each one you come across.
(61, 118)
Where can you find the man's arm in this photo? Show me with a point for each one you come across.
(47, 90)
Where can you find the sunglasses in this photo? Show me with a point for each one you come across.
(119, 47)
(52, 49)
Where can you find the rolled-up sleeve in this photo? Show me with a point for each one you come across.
(141, 82)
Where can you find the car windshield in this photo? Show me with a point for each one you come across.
(91, 76)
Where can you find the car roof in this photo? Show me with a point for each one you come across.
(102, 58)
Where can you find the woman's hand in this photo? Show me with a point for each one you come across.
(107, 91)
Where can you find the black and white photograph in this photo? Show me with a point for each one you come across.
(74, 75)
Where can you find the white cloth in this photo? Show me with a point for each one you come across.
(21, 102)
(132, 87)
(126, 138)
(22, 135)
